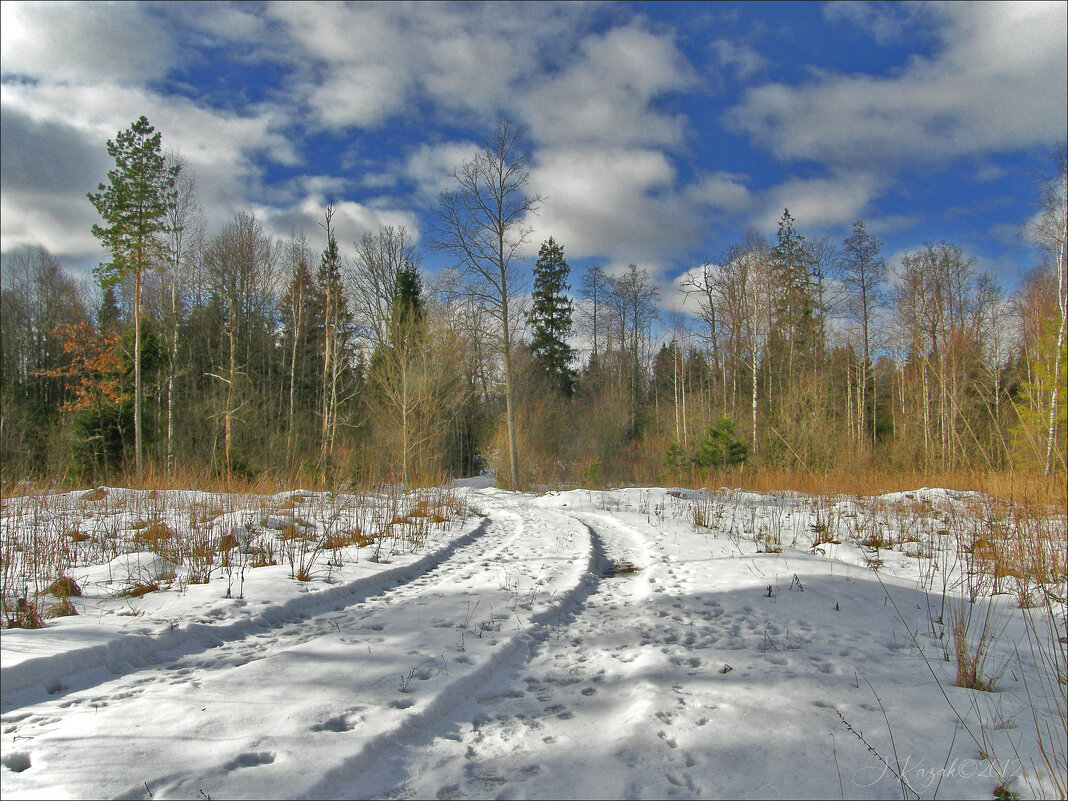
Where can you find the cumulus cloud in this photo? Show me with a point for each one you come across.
(607, 95)
(351, 220)
(723, 191)
(744, 60)
(85, 42)
(987, 88)
(373, 61)
(819, 202)
(47, 169)
(48, 125)
(618, 203)
(886, 22)
(429, 168)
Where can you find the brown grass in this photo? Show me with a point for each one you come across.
(1029, 488)
(135, 589)
(63, 609)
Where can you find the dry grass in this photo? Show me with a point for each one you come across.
(1031, 489)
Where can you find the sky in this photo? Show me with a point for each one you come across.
(657, 133)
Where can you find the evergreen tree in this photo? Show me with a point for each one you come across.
(109, 315)
(793, 303)
(408, 308)
(135, 205)
(720, 447)
(337, 327)
(550, 318)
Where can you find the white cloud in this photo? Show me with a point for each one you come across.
(995, 83)
(430, 167)
(745, 61)
(886, 22)
(818, 202)
(222, 149)
(617, 203)
(79, 42)
(724, 191)
(373, 61)
(607, 96)
(351, 221)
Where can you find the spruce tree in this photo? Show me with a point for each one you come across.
(550, 318)
(794, 304)
(408, 309)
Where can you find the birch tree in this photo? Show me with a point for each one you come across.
(482, 224)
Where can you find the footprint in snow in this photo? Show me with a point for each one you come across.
(16, 762)
(250, 759)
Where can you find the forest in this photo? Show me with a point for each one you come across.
(206, 351)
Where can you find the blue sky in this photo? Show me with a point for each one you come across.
(657, 132)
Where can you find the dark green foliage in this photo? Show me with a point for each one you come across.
(101, 435)
(676, 460)
(408, 308)
(720, 446)
(550, 318)
(109, 317)
(134, 203)
(793, 330)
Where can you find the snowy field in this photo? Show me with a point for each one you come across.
(638, 643)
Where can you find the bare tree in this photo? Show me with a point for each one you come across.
(632, 299)
(1050, 231)
(593, 289)
(185, 226)
(702, 286)
(240, 264)
(481, 225)
(373, 279)
(864, 274)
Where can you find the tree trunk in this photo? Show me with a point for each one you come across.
(1062, 303)
(138, 444)
(171, 375)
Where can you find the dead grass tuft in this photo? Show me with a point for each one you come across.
(63, 609)
(64, 587)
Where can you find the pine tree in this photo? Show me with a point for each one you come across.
(550, 318)
(135, 205)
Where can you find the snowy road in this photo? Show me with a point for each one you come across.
(570, 645)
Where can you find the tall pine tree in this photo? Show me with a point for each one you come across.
(550, 318)
(135, 205)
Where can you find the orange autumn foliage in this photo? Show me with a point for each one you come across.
(96, 368)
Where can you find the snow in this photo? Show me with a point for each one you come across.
(564, 645)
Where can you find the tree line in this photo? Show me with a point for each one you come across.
(214, 349)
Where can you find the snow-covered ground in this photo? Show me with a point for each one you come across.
(638, 643)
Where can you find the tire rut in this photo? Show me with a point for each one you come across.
(180, 648)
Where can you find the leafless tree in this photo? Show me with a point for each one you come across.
(482, 225)
(185, 231)
(240, 264)
(373, 279)
(1050, 231)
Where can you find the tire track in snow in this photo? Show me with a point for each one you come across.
(384, 766)
(599, 663)
(493, 542)
(127, 654)
(373, 770)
